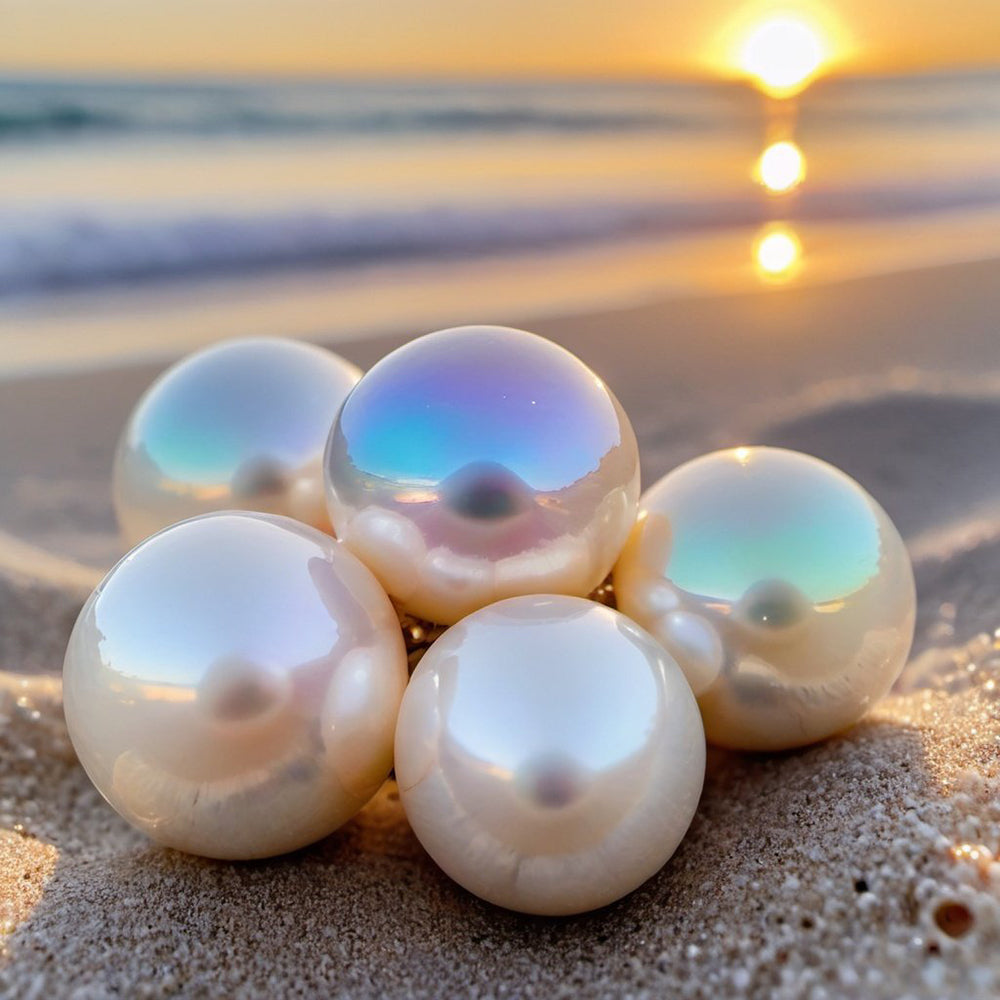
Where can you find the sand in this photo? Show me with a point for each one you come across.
(861, 867)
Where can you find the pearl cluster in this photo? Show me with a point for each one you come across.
(238, 686)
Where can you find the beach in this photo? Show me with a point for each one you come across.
(861, 867)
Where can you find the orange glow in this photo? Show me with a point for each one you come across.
(980, 857)
(443, 37)
(777, 253)
(783, 54)
(781, 167)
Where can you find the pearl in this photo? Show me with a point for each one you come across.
(232, 686)
(781, 587)
(549, 754)
(481, 463)
(241, 425)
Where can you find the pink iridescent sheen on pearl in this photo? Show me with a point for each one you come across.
(481, 463)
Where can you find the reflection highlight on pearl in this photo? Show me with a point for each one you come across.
(549, 754)
(239, 426)
(481, 463)
(232, 685)
(781, 587)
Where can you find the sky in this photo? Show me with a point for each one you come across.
(473, 37)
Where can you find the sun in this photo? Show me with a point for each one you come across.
(783, 53)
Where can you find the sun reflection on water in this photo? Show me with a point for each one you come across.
(781, 51)
(781, 167)
(777, 252)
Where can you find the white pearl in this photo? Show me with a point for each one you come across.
(549, 754)
(480, 463)
(781, 587)
(232, 686)
(238, 426)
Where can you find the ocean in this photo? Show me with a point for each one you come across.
(130, 208)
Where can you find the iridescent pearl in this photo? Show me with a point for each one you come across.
(781, 587)
(549, 754)
(480, 463)
(232, 686)
(238, 426)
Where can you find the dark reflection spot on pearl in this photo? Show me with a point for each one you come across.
(259, 477)
(772, 613)
(242, 701)
(485, 491)
(551, 782)
(773, 604)
(236, 691)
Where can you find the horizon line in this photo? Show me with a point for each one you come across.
(180, 75)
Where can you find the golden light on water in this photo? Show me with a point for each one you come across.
(781, 166)
(783, 54)
(777, 253)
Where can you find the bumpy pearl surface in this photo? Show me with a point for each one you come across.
(549, 754)
(232, 686)
(238, 426)
(781, 587)
(480, 463)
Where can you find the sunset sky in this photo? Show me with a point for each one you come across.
(472, 37)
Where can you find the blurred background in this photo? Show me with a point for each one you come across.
(172, 173)
(719, 206)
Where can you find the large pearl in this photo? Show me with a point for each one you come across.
(781, 587)
(232, 686)
(238, 426)
(480, 463)
(549, 754)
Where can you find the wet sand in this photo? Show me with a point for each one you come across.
(862, 867)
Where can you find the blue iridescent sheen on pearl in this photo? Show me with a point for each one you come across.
(781, 587)
(480, 463)
(549, 754)
(232, 685)
(241, 425)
